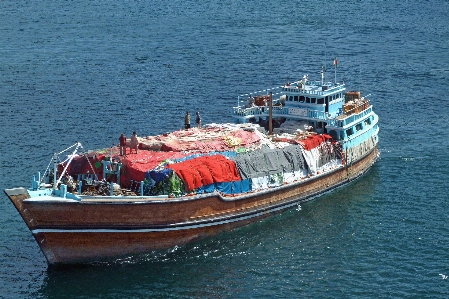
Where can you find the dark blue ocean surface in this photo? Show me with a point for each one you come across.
(88, 70)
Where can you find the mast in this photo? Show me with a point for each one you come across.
(322, 75)
(335, 69)
(270, 119)
(55, 171)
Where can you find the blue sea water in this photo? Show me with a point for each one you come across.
(88, 70)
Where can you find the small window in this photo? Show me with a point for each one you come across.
(320, 101)
(307, 100)
(313, 100)
(290, 98)
(301, 99)
(349, 132)
(296, 98)
(358, 127)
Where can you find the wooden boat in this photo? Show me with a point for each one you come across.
(76, 226)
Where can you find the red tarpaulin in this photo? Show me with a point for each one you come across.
(206, 170)
(313, 141)
(80, 165)
(135, 166)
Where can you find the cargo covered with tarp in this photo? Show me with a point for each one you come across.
(164, 180)
(267, 161)
(135, 167)
(210, 139)
(205, 170)
(229, 159)
(85, 164)
(250, 171)
(317, 151)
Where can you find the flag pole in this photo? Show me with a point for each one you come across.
(335, 69)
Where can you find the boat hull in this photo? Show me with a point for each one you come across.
(94, 228)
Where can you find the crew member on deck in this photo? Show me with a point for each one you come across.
(122, 140)
(187, 120)
(134, 143)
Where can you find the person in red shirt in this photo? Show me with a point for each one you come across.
(122, 140)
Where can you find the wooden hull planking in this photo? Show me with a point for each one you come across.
(89, 230)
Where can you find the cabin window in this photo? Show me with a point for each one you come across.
(295, 98)
(320, 101)
(290, 98)
(319, 125)
(301, 99)
(342, 135)
(358, 127)
(349, 132)
(313, 100)
(367, 122)
(307, 100)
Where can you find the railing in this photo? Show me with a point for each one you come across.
(277, 111)
(263, 111)
(332, 87)
(354, 117)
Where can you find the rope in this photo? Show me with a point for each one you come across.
(87, 158)
(69, 161)
(48, 167)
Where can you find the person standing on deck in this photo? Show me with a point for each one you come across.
(122, 140)
(134, 143)
(198, 119)
(187, 120)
